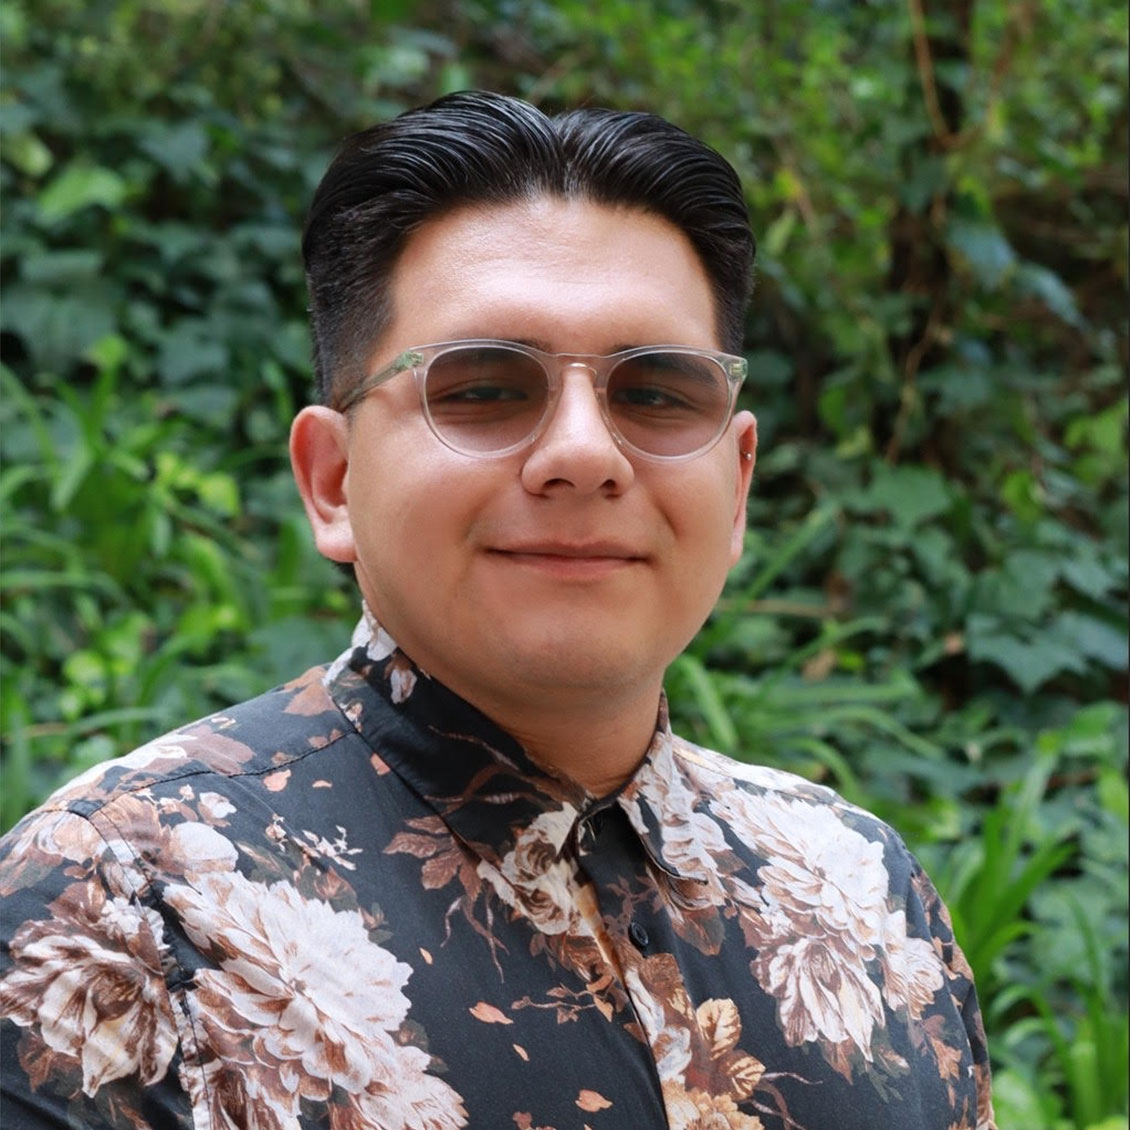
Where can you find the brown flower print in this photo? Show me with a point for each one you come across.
(310, 1007)
(88, 987)
(535, 879)
(824, 921)
(696, 1110)
(705, 1074)
(912, 975)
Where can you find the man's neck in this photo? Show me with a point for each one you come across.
(597, 744)
(595, 733)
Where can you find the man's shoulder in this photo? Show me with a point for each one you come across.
(705, 764)
(709, 762)
(770, 795)
(257, 737)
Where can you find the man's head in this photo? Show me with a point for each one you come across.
(478, 148)
(565, 570)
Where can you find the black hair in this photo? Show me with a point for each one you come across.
(476, 148)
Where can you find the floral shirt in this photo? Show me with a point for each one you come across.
(355, 903)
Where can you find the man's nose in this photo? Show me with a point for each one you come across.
(577, 451)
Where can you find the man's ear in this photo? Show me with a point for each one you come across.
(319, 457)
(745, 425)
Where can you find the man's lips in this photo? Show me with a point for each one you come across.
(570, 559)
(578, 551)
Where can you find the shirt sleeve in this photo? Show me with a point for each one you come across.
(87, 1025)
(961, 988)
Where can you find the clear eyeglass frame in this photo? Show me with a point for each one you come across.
(418, 359)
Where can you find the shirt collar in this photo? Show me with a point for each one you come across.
(480, 780)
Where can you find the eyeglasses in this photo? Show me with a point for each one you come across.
(492, 398)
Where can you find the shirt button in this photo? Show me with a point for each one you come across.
(638, 935)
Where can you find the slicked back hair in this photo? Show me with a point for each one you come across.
(479, 148)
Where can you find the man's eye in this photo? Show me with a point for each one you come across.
(481, 394)
(648, 396)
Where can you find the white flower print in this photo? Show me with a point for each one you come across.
(88, 983)
(307, 1001)
(691, 840)
(823, 922)
(194, 848)
(823, 991)
(696, 1110)
(403, 680)
(57, 836)
(913, 974)
(408, 1096)
(336, 851)
(369, 634)
(534, 878)
(670, 1043)
(215, 807)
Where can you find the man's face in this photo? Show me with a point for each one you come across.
(568, 569)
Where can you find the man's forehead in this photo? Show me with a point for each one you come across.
(528, 260)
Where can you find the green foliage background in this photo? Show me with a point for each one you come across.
(930, 615)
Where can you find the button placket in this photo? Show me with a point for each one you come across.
(616, 872)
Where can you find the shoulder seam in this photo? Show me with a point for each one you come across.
(78, 806)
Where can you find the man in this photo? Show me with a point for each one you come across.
(466, 876)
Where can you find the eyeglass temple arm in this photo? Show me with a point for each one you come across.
(409, 359)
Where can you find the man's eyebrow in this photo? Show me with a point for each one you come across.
(530, 342)
(545, 347)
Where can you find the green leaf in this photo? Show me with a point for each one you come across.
(1024, 587)
(1114, 794)
(1104, 431)
(80, 186)
(109, 353)
(209, 403)
(187, 352)
(725, 734)
(57, 329)
(1020, 1103)
(770, 369)
(181, 149)
(1028, 662)
(911, 495)
(1050, 289)
(984, 247)
(1090, 637)
(1087, 574)
(53, 267)
(28, 154)
(778, 233)
(220, 493)
(1023, 494)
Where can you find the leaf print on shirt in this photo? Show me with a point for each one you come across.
(706, 1076)
(539, 883)
(531, 882)
(309, 1007)
(87, 986)
(39, 846)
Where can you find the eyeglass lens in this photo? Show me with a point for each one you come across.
(490, 398)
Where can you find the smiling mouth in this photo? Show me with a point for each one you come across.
(585, 551)
(571, 560)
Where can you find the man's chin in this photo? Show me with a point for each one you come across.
(582, 661)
